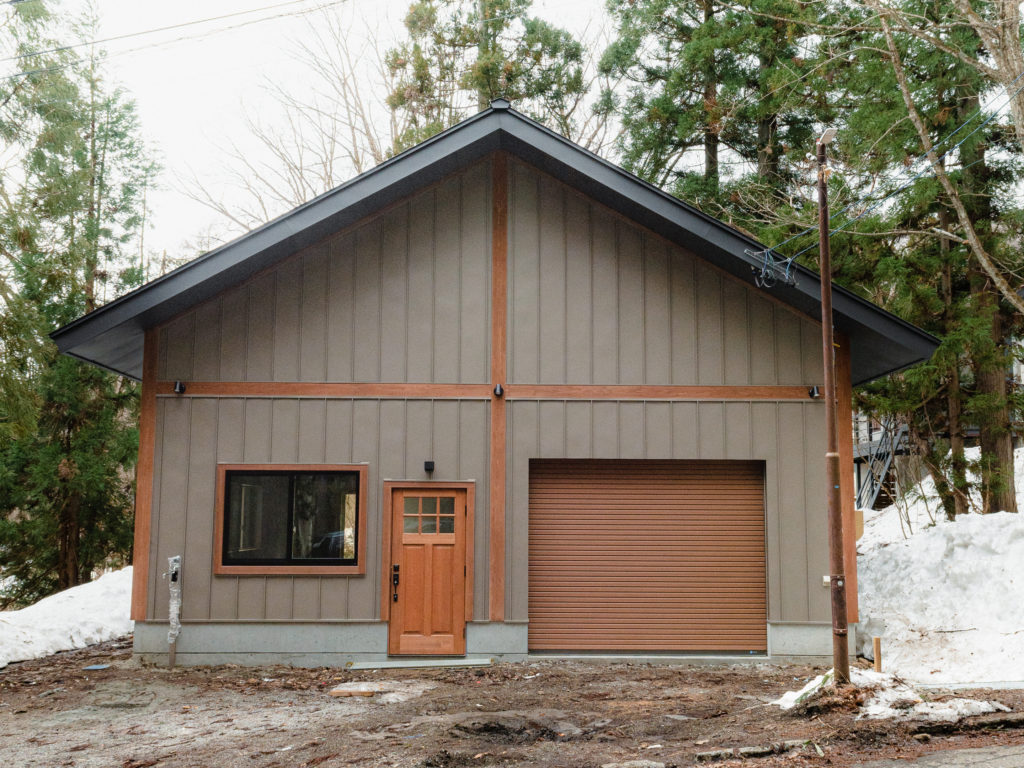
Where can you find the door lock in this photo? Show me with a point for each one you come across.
(394, 582)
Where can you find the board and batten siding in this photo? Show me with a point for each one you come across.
(787, 436)
(596, 299)
(392, 436)
(402, 297)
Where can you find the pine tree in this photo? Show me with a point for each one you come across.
(720, 106)
(915, 260)
(461, 54)
(69, 212)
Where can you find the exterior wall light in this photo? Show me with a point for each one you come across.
(179, 387)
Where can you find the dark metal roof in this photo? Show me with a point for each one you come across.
(112, 335)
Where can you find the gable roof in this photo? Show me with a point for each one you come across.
(112, 336)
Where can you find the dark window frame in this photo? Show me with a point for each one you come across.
(316, 567)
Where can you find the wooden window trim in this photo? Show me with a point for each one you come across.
(390, 487)
(219, 567)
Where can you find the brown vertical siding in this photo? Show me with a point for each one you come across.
(403, 296)
(394, 437)
(406, 296)
(844, 418)
(595, 299)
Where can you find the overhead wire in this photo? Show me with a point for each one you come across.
(919, 174)
(154, 30)
(184, 38)
(768, 254)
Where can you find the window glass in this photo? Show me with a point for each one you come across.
(291, 517)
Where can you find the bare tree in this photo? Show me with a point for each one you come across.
(341, 124)
(336, 127)
(997, 23)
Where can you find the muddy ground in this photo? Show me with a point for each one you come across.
(546, 713)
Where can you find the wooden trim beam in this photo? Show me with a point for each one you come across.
(144, 477)
(220, 569)
(654, 392)
(413, 390)
(844, 424)
(499, 346)
(426, 391)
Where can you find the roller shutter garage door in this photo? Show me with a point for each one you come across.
(647, 556)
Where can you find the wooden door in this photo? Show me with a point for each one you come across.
(428, 562)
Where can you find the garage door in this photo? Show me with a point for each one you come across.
(647, 556)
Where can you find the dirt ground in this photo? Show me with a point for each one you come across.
(544, 713)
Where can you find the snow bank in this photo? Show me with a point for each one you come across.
(77, 617)
(947, 599)
(893, 699)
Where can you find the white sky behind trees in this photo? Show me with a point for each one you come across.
(193, 94)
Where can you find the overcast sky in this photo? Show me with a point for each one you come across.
(192, 84)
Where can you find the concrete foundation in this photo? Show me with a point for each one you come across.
(804, 641)
(338, 643)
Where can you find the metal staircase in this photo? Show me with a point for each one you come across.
(878, 459)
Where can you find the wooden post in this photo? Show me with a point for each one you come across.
(837, 577)
(876, 651)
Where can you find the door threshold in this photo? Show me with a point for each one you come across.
(421, 662)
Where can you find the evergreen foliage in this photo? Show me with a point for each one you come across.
(723, 107)
(461, 54)
(70, 212)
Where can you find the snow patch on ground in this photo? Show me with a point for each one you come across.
(77, 617)
(947, 599)
(893, 698)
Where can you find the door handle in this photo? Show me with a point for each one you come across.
(394, 583)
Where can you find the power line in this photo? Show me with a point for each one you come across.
(127, 35)
(769, 265)
(183, 38)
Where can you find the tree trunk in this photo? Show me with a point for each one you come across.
(958, 463)
(995, 437)
(767, 132)
(67, 543)
(924, 449)
(990, 362)
(713, 127)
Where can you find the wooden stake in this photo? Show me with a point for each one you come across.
(876, 651)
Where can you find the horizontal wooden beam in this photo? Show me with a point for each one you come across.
(427, 391)
(654, 392)
(415, 391)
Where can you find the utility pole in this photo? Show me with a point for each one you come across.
(837, 577)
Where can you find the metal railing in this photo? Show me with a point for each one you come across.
(879, 462)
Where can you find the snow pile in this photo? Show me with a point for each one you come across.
(947, 599)
(892, 698)
(77, 617)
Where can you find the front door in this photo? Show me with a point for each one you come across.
(428, 572)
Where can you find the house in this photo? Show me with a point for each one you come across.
(494, 396)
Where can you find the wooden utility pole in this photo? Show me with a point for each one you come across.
(837, 577)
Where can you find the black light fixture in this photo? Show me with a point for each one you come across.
(179, 387)
(428, 466)
(814, 392)
(498, 390)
